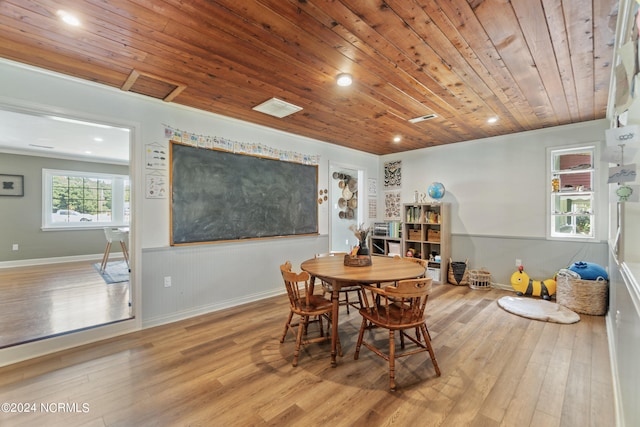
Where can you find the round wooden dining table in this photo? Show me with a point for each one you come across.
(332, 270)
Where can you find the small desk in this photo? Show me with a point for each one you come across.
(332, 270)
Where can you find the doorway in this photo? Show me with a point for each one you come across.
(49, 285)
(347, 207)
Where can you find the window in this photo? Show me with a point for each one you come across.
(572, 192)
(84, 200)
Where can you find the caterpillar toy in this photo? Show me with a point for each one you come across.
(524, 285)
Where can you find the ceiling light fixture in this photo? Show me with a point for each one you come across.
(68, 18)
(492, 120)
(344, 79)
(397, 138)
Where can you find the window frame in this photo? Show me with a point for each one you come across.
(552, 154)
(119, 185)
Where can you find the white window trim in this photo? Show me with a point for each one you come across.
(117, 201)
(594, 146)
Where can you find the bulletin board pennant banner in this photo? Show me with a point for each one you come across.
(625, 173)
(613, 154)
(624, 135)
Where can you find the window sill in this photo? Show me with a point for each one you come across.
(95, 226)
(573, 238)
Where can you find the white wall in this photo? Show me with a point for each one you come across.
(22, 216)
(498, 190)
(623, 320)
(497, 186)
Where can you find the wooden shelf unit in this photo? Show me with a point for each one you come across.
(381, 242)
(426, 230)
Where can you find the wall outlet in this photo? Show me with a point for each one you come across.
(518, 262)
(167, 281)
(15, 247)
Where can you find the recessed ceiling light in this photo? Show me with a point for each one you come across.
(397, 138)
(344, 79)
(98, 139)
(492, 120)
(68, 18)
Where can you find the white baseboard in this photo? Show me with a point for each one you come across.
(501, 286)
(55, 260)
(197, 311)
(614, 371)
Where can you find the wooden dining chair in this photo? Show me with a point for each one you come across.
(420, 261)
(308, 307)
(114, 234)
(424, 263)
(345, 290)
(397, 308)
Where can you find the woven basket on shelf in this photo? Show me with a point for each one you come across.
(583, 296)
(479, 279)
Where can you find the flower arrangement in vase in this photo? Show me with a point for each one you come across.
(361, 232)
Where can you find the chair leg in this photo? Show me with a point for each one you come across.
(321, 326)
(306, 325)
(418, 332)
(338, 345)
(105, 258)
(392, 361)
(287, 326)
(346, 300)
(359, 292)
(125, 253)
(363, 326)
(430, 348)
(296, 353)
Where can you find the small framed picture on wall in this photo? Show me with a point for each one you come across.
(11, 185)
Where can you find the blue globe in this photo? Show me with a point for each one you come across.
(436, 190)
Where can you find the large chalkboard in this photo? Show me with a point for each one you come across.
(218, 195)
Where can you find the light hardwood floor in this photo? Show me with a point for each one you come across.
(47, 300)
(229, 369)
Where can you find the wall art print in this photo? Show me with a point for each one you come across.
(372, 187)
(393, 174)
(11, 185)
(392, 205)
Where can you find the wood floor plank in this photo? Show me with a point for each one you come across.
(229, 368)
(47, 300)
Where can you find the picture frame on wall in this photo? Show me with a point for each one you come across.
(11, 185)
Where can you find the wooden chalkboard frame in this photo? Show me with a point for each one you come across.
(219, 196)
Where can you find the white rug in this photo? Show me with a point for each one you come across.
(538, 309)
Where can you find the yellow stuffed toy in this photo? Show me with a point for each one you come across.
(523, 285)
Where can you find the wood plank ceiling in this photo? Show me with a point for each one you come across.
(530, 63)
